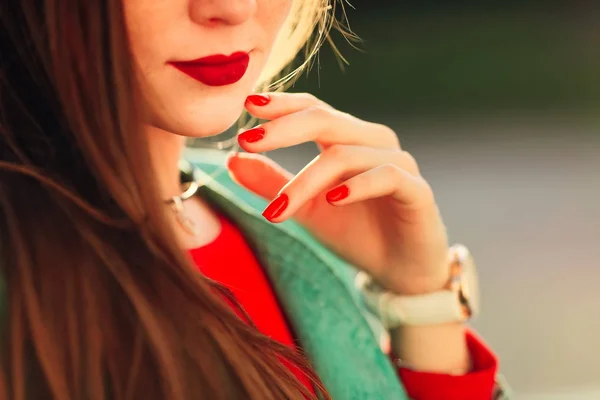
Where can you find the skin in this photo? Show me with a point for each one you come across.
(388, 225)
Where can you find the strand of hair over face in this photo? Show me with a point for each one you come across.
(308, 27)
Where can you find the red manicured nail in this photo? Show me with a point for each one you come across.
(337, 194)
(252, 135)
(258, 99)
(277, 206)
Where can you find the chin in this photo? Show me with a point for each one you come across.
(199, 122)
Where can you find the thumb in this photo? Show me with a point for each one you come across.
(258, 174)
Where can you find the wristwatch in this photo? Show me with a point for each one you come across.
(457, 302)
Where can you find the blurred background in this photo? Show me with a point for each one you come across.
(499, 101)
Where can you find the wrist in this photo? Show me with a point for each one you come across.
(418, 285)
(419, 277)
(448, 297)
(438, 348)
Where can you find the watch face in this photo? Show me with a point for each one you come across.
(471, 284)
(465, 280)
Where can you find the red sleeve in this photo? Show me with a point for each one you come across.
(476, 385)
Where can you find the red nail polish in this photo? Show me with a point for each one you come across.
(258, 99)
(252, 135)
(277, 206)
(337, 194)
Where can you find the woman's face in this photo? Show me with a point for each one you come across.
(199, 59)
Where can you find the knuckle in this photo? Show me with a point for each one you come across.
(323, 115)
(319, 112)
(411, 163)
(391, 171)
(337, 152)
(426, 193)
(388, 134)
(309, 98)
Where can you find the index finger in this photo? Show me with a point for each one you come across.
(275, 105)
(325, 126)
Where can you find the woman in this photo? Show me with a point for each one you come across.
(101, 247)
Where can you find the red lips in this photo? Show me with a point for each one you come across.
(216, 70)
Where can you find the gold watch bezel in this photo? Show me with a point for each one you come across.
(463, 279)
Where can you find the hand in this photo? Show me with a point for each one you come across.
(363, 196)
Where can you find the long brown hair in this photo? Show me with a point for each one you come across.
(99, 301)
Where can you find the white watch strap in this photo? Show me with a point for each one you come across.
(395, 310)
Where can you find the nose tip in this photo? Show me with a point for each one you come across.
(230, 12)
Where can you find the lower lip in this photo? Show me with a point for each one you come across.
(217, 70)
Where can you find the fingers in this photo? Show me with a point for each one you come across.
(361, 160)
(412, 193)
(299, 118)
(384, 180)
(337, 164)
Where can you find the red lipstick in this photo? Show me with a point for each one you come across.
(216, 70)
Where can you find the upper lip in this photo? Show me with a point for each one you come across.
(216, 59)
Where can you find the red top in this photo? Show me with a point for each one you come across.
(230, 261)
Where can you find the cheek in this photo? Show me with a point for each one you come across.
(272, 15)
(145, 20)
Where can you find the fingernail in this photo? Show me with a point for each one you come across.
(258, 99)
(252, 135)
(337, 194)
(277, 206)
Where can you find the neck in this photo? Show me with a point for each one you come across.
(165, 152)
